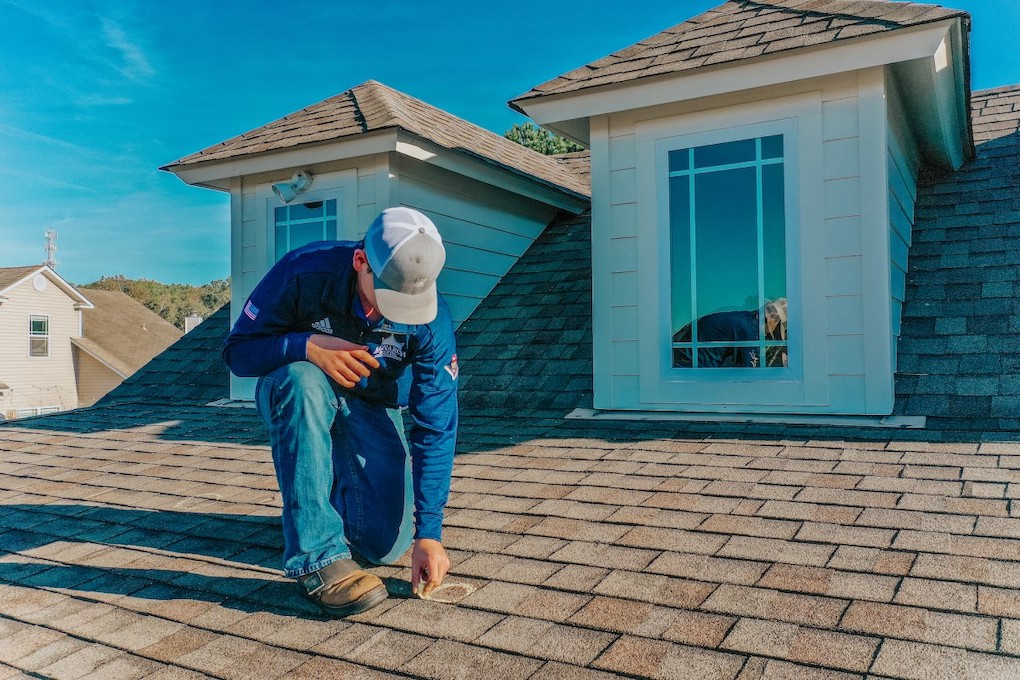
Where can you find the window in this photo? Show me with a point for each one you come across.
(727, 236)
(302, 223)
(38, 336)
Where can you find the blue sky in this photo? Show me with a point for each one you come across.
(95, 96)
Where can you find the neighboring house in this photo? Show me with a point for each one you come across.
(120, 336)
(60, 350)
(39, 314)
(364, 150)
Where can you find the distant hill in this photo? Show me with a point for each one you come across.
(172, 301)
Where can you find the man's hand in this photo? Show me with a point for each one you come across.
(343, 361)
(429, 563)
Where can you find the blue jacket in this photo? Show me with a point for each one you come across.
(312, 290)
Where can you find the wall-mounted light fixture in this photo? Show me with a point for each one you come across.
(288, 191)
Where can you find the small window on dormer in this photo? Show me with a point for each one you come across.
(303, 223)
(38, 335)
(728, 255)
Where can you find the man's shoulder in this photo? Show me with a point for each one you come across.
(319, 256)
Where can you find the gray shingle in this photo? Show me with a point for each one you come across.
(373, 106)
(720, 36)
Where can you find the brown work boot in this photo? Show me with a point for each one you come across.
(342, 588)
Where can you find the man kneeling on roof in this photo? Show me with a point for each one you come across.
(343, 336)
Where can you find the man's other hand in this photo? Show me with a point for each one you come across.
(343, 361)
(429, 565)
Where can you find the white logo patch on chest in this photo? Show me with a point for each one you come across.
(390, 348)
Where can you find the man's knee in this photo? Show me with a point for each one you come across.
(299, 385)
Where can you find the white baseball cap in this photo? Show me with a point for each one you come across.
(406, 254)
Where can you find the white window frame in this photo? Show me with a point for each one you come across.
(804, 381)
(36, 336)
(307, 197)
(762, 343)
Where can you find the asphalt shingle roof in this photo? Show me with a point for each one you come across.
(11, 275)
(372, 106)
(958, 356)
(123, 332)
(739, 30)
(190, 371)
(142, 540)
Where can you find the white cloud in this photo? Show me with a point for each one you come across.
(133, 64)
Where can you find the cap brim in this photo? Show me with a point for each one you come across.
(413, 310)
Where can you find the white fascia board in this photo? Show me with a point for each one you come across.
(462, 164)
(935, 95)
(808, 62)
(217, 174)
(951, 95)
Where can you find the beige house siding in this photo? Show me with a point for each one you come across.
(37, 381)
(95, 380)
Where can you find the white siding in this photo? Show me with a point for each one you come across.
(904, 163)
(485, 229)
(843, 213)
(37, 381)
(357, 189)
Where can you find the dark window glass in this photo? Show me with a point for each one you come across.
(772, 147)
(679, 160)
(724, 154)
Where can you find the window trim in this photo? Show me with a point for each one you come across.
(691, 172)
(300, 200)
(805, 381)
(337, 188)
(36, 336)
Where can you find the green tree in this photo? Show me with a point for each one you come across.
(173, 301)
(540, 140)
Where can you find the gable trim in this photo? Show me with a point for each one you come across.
(81, 302)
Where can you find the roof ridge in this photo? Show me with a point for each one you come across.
(359, 115)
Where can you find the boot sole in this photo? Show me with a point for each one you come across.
(363, 603)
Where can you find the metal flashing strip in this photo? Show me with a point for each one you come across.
(886, 422)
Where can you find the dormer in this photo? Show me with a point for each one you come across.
(754, 173)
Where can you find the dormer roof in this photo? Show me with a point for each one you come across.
(373, 107)
(739, 30)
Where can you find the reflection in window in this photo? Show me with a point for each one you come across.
(302, 223)
(38, 336)
(728, 255)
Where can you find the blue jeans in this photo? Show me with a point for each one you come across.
(343, 469)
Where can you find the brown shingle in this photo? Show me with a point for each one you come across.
(721, 35)
(371, 107)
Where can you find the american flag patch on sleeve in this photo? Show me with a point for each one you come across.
(251, 311)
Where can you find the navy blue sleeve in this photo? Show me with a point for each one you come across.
(433, 437)
(263, 337)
